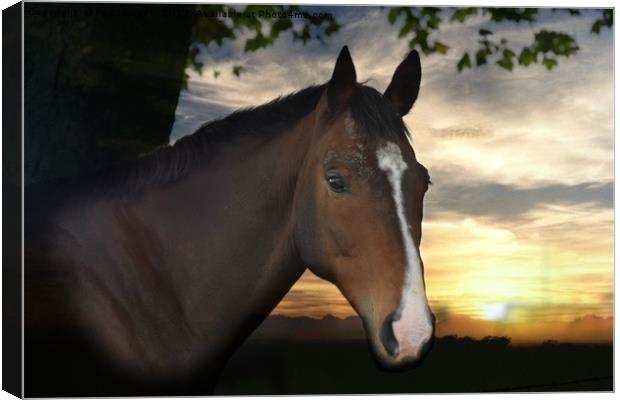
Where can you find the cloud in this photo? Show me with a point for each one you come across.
(553, 254)
(506, 201)
(461, 133)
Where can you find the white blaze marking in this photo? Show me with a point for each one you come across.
(414, 327)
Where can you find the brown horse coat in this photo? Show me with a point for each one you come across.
(149, 275)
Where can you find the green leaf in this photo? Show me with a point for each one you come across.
(209, 30)
(481, 57)
(407, 27)
(550, 63)
(512, 14)
(558, 43)
(245, 19)
(257, 42)
(458, 15)
(526, 57)
(596, 27)
(393, 14)
(465, 62)
(216, 73)
(193, 62)
(430, 11)
(413, 43)
(506, 63)
(280, 25)
(237, 70)
(421, 39)
(509, 54)
(304, 36)
(332, 28)
(608, 17)
(433, 22)
(440, 48)
(606, 20)
(461, 14)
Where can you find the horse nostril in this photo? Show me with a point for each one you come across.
(388, 338)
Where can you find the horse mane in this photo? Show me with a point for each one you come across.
(167, 164)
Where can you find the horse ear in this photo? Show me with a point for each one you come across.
(405, 86)
(342, 84)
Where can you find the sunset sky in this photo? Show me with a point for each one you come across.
(518, 227)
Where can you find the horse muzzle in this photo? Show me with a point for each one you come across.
(399, 356)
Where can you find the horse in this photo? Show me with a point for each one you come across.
(144, 278)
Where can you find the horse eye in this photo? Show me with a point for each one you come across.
(336, 183)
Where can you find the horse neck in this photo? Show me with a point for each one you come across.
(228, 238)
(264, 175)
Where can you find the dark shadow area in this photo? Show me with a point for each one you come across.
(11, 196)
(315, 364)
(264, 366)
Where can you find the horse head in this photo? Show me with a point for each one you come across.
(358, 209)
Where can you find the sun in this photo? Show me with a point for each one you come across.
(496, 311)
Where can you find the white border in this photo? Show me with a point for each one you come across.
(493, 3)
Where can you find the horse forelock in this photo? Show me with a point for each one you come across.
(375, 117)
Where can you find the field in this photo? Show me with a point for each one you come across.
(277, 366)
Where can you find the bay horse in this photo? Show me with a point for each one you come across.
(144, 278)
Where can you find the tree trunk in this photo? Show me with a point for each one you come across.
(102, 83)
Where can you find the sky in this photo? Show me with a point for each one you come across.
(518, 225)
